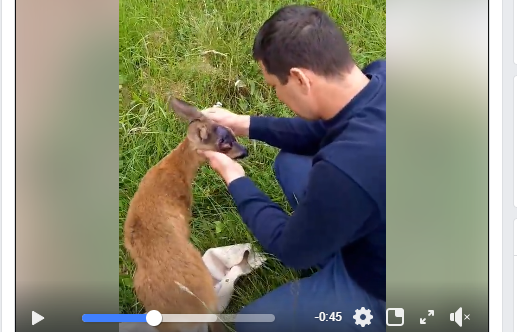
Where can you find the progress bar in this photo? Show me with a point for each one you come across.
(114, 318)
(154, 318)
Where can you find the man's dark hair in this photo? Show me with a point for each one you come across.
(304, 37)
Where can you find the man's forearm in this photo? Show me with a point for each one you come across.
(263, 217)
(294, 135)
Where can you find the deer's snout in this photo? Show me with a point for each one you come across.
(240, 152)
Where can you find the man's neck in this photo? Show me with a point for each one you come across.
(337, 94)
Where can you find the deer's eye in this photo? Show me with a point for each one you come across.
(225, 147)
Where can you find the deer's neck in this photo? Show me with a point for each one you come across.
(186, 160)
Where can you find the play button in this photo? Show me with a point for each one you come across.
(36, 318)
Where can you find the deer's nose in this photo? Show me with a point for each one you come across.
(243, 153)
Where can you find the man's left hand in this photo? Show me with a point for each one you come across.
(227, 168)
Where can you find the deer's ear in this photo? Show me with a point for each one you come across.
(184, 110)
(198, 132)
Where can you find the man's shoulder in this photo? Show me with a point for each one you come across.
(360, 153)
(365, 131)
(377, 67)
(360, 145)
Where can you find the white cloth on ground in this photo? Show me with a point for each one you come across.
(225, 264)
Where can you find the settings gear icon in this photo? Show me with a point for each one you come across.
(367, 319)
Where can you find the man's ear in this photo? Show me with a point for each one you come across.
(300, 79)
(183, 109)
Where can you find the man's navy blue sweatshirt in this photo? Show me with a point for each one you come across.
(344, 207)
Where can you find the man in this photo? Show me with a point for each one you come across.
(332, 168)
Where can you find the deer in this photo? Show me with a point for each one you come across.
(170, 275)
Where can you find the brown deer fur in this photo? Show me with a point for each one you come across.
(157, 229)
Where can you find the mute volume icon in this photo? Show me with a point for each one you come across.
(458, 317)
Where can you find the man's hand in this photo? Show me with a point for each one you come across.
(227, 168)
(240, 124)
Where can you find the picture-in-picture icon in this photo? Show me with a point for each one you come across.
(399, 315)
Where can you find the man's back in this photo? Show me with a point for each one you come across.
(355, 143)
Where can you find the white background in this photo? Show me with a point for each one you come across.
(8, 160)
(495, 164)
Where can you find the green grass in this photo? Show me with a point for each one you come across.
(161, 46)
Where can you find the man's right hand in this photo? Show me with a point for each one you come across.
(240, 124)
